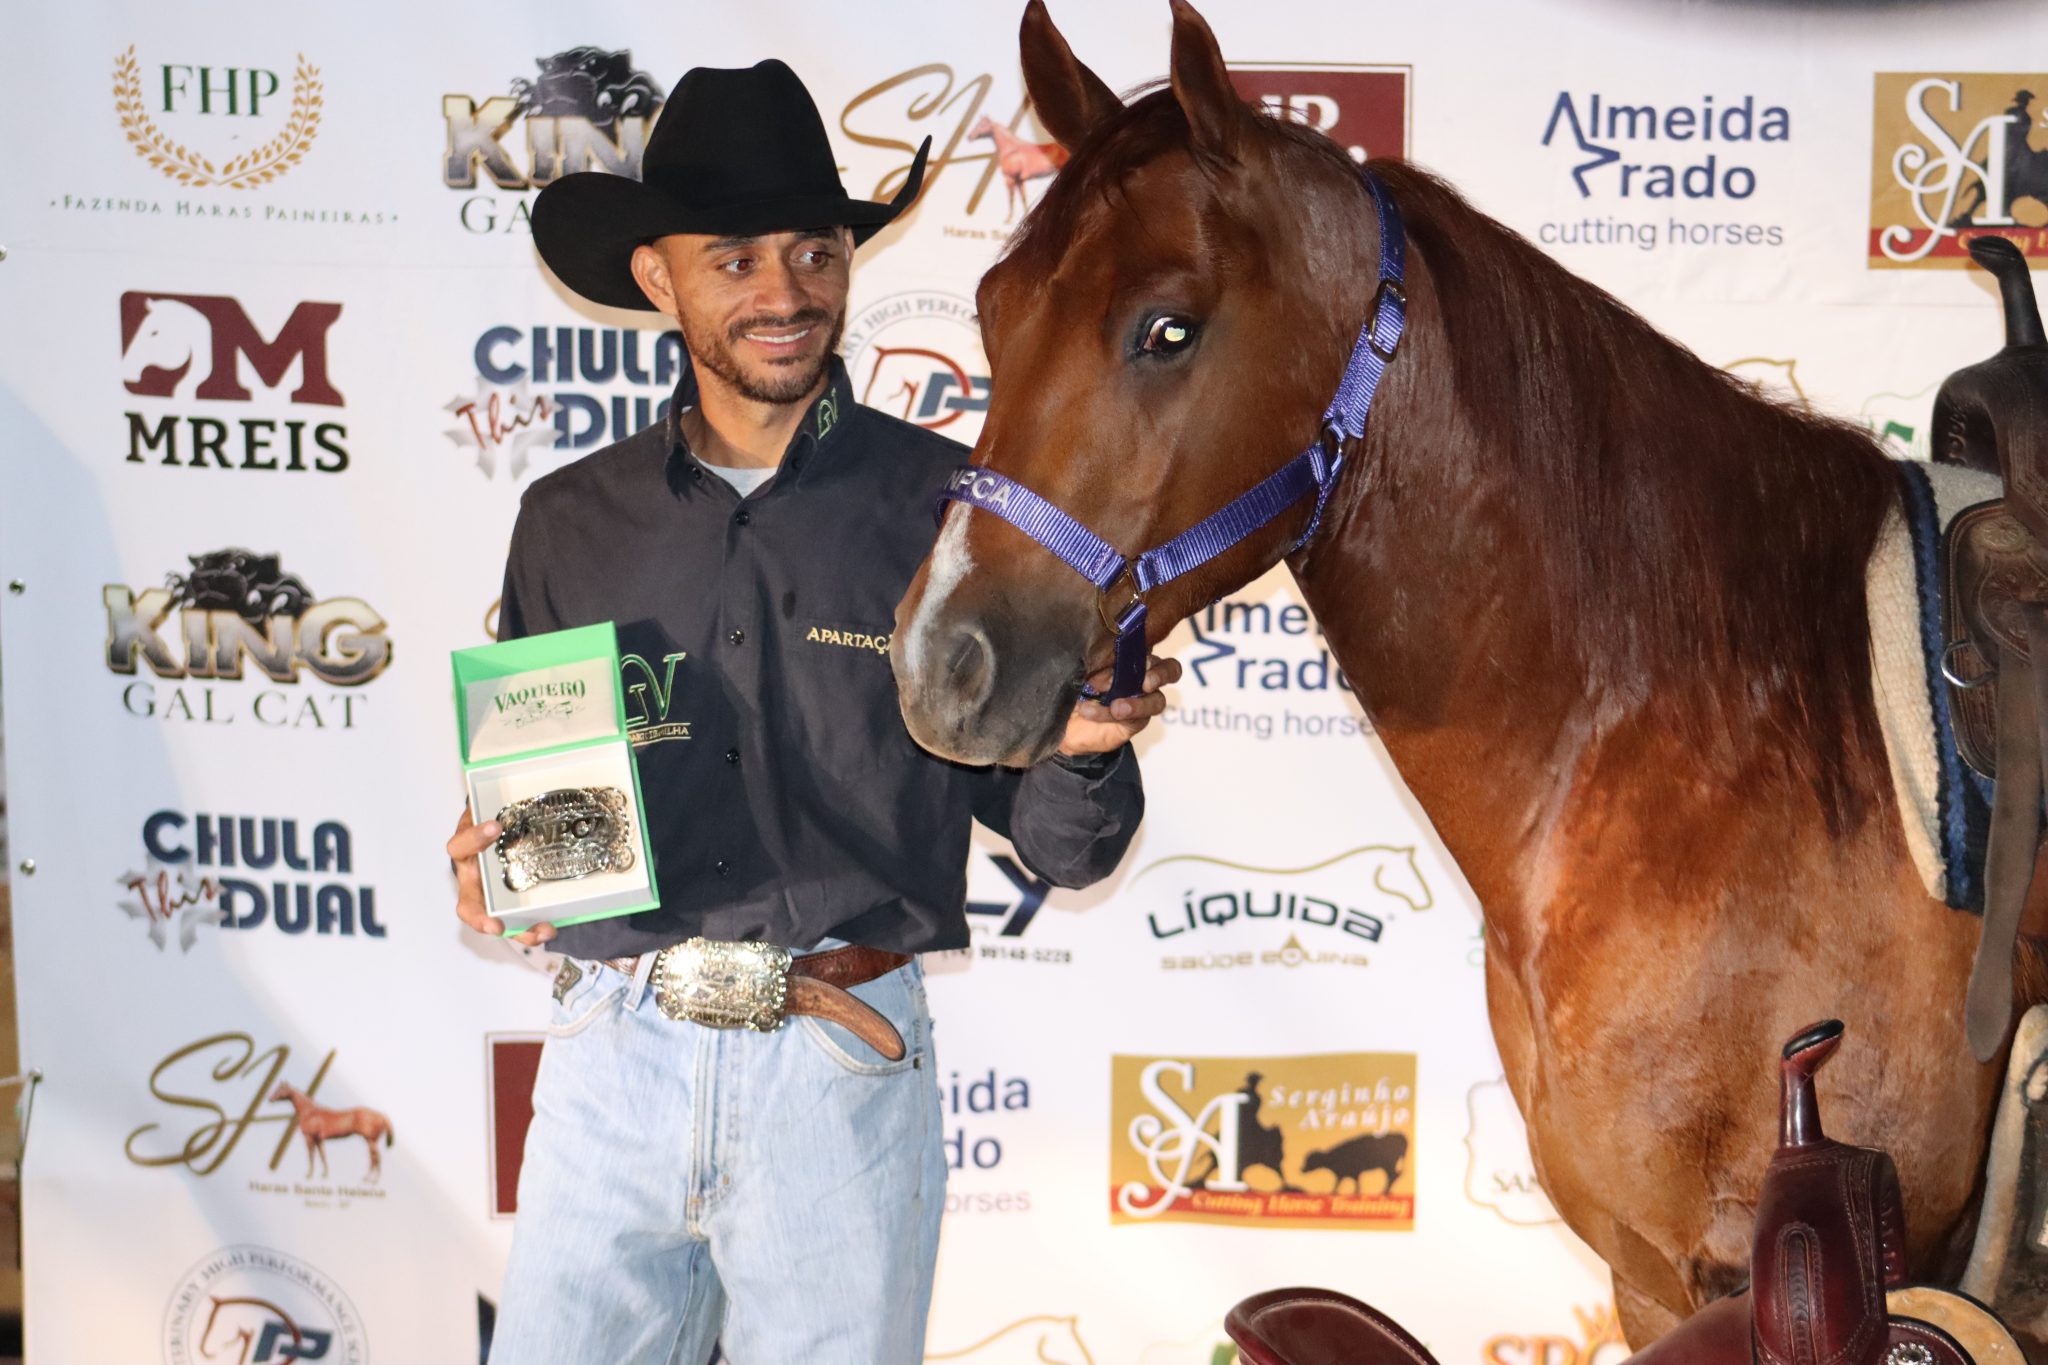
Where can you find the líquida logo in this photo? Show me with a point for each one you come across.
(1956, 155)
(585, 109)
(236, 609)
(1313, 1141)
(1205, 913)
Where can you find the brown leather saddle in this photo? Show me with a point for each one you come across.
(1993, 417)
(1827, 1271)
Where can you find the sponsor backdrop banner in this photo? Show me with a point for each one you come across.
(278, 363)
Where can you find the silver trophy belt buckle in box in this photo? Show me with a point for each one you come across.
(757, 986)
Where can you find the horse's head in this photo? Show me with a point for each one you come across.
(1165, 330)
(285, 1091)
(983, 127)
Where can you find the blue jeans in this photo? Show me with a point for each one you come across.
(777, 1193)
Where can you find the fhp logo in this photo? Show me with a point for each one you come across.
(182, 91)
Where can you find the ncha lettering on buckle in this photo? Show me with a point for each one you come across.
(564, 835)
(723, 984)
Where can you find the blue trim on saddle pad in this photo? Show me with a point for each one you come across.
(1965, 797)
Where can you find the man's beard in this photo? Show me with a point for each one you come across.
(784, 384)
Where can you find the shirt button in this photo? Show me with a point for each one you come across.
(732, 756)
(742, 517)
(738, 636)
(697, 472)
(721, 867)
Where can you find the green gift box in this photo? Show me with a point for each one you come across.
(542, 723)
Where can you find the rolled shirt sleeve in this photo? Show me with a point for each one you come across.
(1070, 819)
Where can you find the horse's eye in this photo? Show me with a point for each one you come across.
(1168, 335)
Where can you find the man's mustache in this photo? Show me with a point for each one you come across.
(767, 322)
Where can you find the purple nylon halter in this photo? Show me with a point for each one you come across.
(1314, 470)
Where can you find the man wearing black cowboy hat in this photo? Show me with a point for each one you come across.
(685, 1182)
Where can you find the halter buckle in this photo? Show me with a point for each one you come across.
(1115, 619)
(1372, 332)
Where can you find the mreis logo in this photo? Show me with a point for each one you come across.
(587, 109)
(1363, 109)
(1957, 156)
(1264, 1141)
(236, 608)
(193, 348)
(255, 1306)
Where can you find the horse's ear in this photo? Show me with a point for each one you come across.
(1069, 99)
(1216, 115)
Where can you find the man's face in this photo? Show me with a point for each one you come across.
(763, 314)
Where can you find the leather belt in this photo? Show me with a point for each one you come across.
(758, 986)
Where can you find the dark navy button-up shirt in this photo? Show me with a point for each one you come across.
(785, 800)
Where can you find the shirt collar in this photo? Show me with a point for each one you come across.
(822, 424)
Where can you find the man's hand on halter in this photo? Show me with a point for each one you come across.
(464, 845)
(1098, 729)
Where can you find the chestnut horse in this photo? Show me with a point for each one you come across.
(1603, 604)
(316, 1125)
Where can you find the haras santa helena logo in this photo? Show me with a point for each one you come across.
(973, 129)
(586, 109)
(1955, 156)
(1318, 1141)
(256, 1306)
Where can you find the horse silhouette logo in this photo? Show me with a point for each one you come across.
(1043, 1340)
(316, 1125)
(165, 337)
(1019, 159)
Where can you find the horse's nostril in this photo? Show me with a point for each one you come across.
(970, 668)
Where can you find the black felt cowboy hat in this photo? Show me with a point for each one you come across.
(734, 152)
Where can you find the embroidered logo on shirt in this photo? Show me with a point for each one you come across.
(828, 414)
(648, 700)
(848, 639)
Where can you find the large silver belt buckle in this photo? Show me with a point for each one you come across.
(564, 835)
(723, 985)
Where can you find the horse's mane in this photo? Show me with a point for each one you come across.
(1696, 540)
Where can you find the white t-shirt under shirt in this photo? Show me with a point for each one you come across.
(744, 481)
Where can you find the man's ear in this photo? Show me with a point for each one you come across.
(650, 272)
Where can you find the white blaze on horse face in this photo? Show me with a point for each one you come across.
(950, 564)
